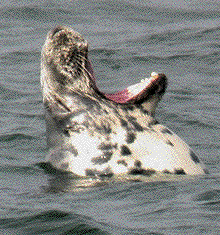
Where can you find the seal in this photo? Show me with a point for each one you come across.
(93, 134)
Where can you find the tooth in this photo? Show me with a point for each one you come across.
(153, 74)
(146, 81)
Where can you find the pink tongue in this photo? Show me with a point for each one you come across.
(120, 96)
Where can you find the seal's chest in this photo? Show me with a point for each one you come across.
(116, 153)
(152, 149)
(98, 154)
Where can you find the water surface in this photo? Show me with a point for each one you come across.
(128, 40)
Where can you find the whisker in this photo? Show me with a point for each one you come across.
(83, 67)
(83, 57)
(77, 60)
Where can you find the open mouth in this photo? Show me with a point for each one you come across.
(154, 85)
(73, 55)
(139, 92)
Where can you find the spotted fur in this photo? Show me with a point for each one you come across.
(91, 135)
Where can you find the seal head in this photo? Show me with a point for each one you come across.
(91, 133)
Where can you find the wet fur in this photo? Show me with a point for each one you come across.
(77, 111)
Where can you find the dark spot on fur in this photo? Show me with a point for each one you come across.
(166, 171)
(127, 107)
(86, 124)
(130, 107)
(105, 111)
(108, 154)
(131, 118)
(124, 107)
(105, 146)
(125, 150)
(141, 171)
(169, 143)
(90, 172)
(179, 172)
(143, 110)
(194, 157)
(130, 138)
(138, 163)
(72, 149)
(107, 129)
(135, 124)
(166, 131)
(66, 132)
(123, 122)
(116, 111)
(102, 159)
(122, 162)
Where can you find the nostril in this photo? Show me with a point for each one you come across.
(56, 30)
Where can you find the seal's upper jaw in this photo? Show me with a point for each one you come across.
(67, 50)
(65, 58)
(55, 30)
(66, 37)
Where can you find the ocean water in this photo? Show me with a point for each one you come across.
(128, 40)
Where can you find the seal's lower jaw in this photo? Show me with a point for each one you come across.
(153, 86)
(148, 92)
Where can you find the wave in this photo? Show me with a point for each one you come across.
(209, 197)
(17, 137)
(44, 13)
(54, 221)
(20, 57)
(194, 5)
(28, 13)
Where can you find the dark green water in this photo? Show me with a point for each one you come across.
(128, 40)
